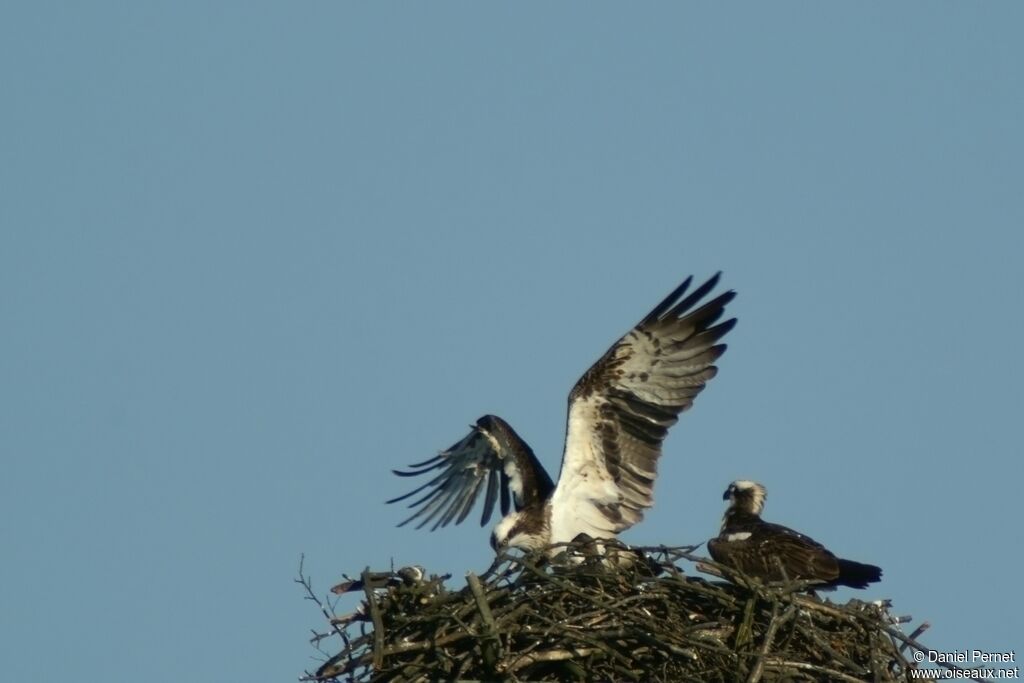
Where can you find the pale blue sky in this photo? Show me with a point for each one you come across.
(254, 255)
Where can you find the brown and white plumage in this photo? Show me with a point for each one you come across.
(773, 552)
(619, 414)
(491, 458)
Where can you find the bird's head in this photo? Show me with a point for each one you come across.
(746, 496)
(519, 530)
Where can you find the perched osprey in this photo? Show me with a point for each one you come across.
(619, 413)
(757, 548)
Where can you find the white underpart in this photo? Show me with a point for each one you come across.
(515, 478)
(738, 536)
(524, 541)
(584, 482)
(502, 528)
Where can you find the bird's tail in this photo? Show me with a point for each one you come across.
(857, 575)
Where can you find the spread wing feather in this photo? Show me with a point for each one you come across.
(491, 458)
(621, 409)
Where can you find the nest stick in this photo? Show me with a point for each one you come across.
(378, 623)
(536, 619)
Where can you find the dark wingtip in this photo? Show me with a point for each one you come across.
(403, 473)
(407, 495)
(709, 311)
(426, 463)
(398, 498)
(723, 328)
(667, 302)
(727, 296)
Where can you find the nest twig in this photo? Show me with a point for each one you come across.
(632, 614)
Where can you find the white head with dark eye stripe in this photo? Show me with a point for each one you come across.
(745, 496)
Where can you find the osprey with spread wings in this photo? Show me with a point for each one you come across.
(619, 414)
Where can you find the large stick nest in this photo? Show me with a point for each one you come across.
(529, 619)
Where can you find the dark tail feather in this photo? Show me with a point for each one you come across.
(857, 575)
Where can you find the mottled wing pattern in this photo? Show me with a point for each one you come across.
(492, 460)
(621, 409)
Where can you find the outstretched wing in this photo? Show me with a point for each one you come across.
(622, 407)
(491, 458)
